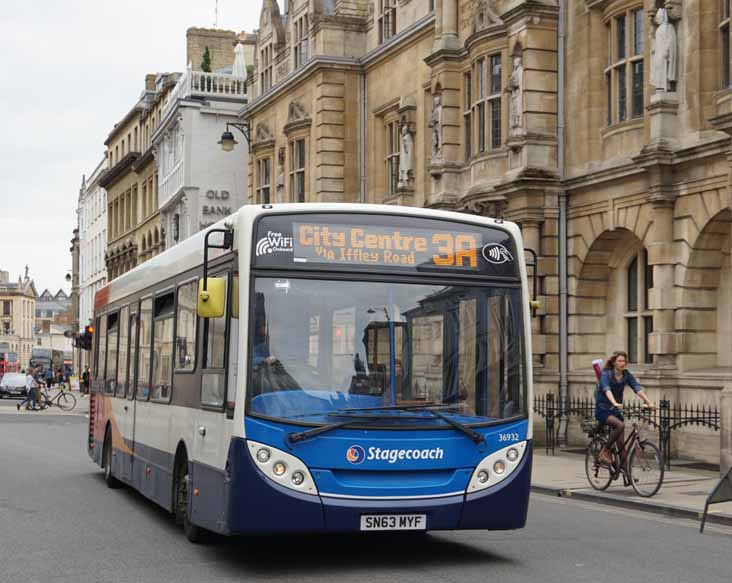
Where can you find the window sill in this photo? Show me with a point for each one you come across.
(625, 126)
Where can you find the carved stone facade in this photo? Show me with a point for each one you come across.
(646, 172)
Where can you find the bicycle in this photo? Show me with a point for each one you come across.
(63, 400)
(644, 468)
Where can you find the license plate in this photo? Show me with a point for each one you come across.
(394, 522)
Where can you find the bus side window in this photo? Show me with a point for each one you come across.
(213, 383)
(112, 339)
(100, 338)
(185, 334)
(121, 384)
(143, 367)
(162, 362)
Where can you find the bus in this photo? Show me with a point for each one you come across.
(321, 368)
(47, 357)
(8, 362)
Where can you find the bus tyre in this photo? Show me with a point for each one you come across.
(193, 533)
(111, 481)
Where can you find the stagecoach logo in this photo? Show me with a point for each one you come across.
(497, 254)
(274, 243)
(355, 454)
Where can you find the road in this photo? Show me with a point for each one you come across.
(59, 523)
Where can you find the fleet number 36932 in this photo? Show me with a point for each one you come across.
(508, 437)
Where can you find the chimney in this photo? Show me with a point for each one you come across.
(4, 276)
(150, 82)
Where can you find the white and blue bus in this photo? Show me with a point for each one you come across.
(322, 368)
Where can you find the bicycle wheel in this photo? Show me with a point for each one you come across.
(598, 474)
(66, 401)
(645, 466)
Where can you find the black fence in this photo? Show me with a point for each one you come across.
(664, 419)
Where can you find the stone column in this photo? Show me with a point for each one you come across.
(661, 256)
(725, 430)
(446, 13)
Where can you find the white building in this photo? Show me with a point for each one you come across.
(199, 183)
(92, 217)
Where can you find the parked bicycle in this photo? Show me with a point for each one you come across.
(644, 467)
(64, 400)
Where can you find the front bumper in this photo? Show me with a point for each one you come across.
(256, 505)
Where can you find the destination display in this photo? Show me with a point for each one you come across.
(382, 242)
(349, 244)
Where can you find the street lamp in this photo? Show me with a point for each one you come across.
(228, 142)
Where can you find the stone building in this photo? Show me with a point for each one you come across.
(131, 180)
(53, 308)
(199, 183)
(92, 220)
(17, 312)
(602, 127)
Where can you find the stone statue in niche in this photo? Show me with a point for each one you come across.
(485, 15)
(515, 88)
(436, 125)
(280, 171)
(664, 51)
(406, 157)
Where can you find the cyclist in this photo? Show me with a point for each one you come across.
(609, 403)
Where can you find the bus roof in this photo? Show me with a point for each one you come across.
(189, 253)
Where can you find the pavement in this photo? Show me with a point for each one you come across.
(8, 407)
(683, 493)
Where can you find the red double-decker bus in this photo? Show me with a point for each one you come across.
(8, 363)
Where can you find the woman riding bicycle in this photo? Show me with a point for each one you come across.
(609, 403)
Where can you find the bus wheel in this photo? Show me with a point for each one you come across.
(111, 481)
(182, 488)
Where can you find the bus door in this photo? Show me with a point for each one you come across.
(127, 415)
(212, 430)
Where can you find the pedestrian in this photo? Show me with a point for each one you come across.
(609, 402)
(48, 377)
(85, 380)
(30, 388)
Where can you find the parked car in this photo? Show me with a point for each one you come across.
(12, 385)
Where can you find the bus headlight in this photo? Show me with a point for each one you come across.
(282, 468)
(496, 467)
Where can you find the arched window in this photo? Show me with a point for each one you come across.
(638, 315)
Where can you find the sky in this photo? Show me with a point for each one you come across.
(69, 71)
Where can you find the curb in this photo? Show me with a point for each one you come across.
(634, 504)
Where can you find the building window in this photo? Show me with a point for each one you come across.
(297, 170)
(487, 109)
(495, 101)
(467, 117)
(724, 44)
(265, 58)
(392, 157)
(387, 19)
(301, 41)
(6, 307)
(638, 315)
(263, 181)
(625, 67)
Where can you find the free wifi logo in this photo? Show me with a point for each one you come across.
(273, 243)
(263, 247)
(497, 254)
(355, 454)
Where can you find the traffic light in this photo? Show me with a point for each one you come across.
(84, 340)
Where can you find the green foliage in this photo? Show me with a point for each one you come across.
(206, 62)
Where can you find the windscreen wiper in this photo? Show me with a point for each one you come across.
(432, 408)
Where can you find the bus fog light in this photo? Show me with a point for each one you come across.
(512, 454)
(263, 455)
(298, 478)
(499, 467)
(279, 468)
(482, 476)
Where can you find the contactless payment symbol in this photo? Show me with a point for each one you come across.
(355, 454)
(496, 253)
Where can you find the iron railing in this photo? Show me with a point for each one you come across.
(665, 419)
